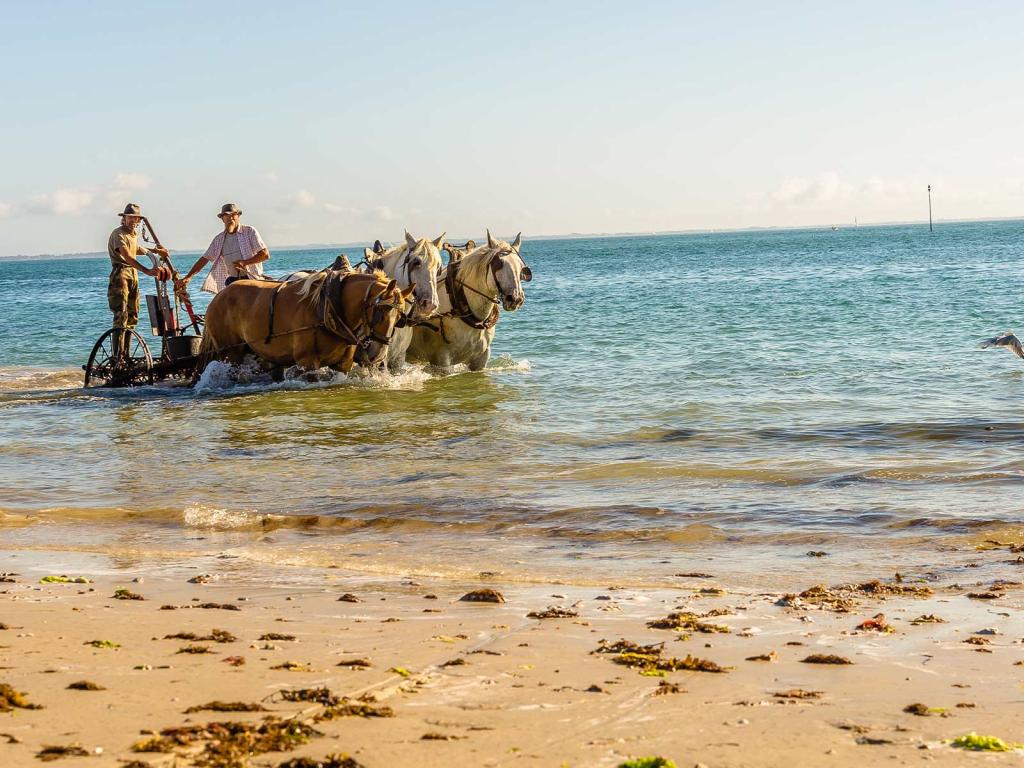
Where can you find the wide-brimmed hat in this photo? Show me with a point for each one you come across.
(229, 208)
(132, 209)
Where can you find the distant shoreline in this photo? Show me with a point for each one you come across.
(567, 236)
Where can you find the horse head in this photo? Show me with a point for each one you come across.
(416, 263)
(382, 310)
(456, 252)
(509, 270)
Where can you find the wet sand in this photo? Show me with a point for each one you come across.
(521, 691)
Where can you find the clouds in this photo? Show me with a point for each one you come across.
(301, 199)
(76, 201)
(6, 209)
(375, 214)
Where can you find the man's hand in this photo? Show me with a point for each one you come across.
(181, 284)
(160, 250)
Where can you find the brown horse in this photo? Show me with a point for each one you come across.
(332, 318)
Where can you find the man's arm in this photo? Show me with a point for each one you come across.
(200, 263)
(258, 258)
(129, 258)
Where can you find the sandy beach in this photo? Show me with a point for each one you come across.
(417, 676)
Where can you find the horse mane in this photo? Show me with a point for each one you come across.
(474, 265)
(313, 287)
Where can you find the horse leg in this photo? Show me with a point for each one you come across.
(479, 362)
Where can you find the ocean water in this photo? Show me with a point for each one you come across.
(657, 402)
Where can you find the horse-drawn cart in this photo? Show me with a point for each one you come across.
(122, 358)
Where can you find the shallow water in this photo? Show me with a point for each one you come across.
(657, 398)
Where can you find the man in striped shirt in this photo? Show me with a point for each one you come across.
(237, 252)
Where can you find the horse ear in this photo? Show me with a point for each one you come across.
(470, 245)
(391, 287)
(440, 240)
(408, 291)
(518, 242)
(368, 254)
(490, 240)
(410, 240)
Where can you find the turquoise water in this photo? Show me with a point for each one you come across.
(654, 395)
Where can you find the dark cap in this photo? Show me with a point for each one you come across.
(229, 208)
(132, 209)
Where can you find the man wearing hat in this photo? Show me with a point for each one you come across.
(123, 287)
(237, 252)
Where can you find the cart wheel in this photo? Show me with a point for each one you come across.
(132, 368)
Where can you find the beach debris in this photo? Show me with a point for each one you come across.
(11, 699)
(928, 618)
(229, 744)
(648, 762)
(649, 663)
(348, 597)
(966, 705)
(987, 631)
(85, 685)
(627, 646)
(770, 656)
(234, 661)
(877, 624)
(798, 693)
(8, 577)
(985, 595)
(226, 706)
(695, 575)
(276, 636)
(975, 742)
(817, 553)
(195, 649)
(293, 666)
(712, 591)
(876, 587)
(121, 593)
(666, 688)
(873, 740)
(977, 640)
(347, 708)
(215, 636)
(102, 643)
(215, 606)
(431, 596)
(63, 579)
(400, 671)
(3, 626)
(821, 596)
(553, 612)
(923, 710)
(485, 595)
(202, 578)
(330, 761)
(689, 622)
(316, 695)
(825, 658)
(355, 663)
(48, 753)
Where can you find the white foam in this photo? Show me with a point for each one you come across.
(205, 516)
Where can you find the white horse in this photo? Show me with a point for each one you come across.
(416, 262)
(473, 288)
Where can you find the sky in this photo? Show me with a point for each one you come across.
(332, 122)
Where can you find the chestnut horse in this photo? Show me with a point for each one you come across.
(331, 318)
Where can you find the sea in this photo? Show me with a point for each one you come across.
(756, 407)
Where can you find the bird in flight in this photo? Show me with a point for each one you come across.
(1007, 339)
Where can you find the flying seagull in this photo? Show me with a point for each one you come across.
(1006, 340)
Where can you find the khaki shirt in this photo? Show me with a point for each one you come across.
(122, 243)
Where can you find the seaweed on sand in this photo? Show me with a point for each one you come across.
(665, 688)
(553, 612)
(928, 618)
(648, 762)
(10, 698)
(122, 593)
(85, 685)
(215, 636)
(230, 744)
(978, 743)
(348, 597)
(798, 693)
(62, 579)
(923, 710)
(315, 695)
(877, 624)
(627, 646)
(485, 595)
(102, 644)
(355, 663)
(48, 753)
(770, 656)
(688, 622)
(821, 596)
(876, 587)
(195, 649)
(226, 706)
(276, 636)
(330, 761)
(293, 666)
(649, 662)
(825, 658)
(348, 708)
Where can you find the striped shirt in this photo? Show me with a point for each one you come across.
(249, 243)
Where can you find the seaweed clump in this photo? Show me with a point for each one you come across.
(230, 744)
(347, 708)
(649, 663)
(877, 624)
(485, 595)
(330, 761)
(62, 579)
(689, 622)
(11, 699)
(215, 636)
(226, 706)
(923, 710)
(48, 753)
(276, 636)
(648, 762)
(553, 612)
(122, 593)
(825, 658)
(85, 685)
(978, 743)
(627, 646)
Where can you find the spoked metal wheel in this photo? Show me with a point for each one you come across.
(120, 358)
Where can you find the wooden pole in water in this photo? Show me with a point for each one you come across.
(930, 208)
